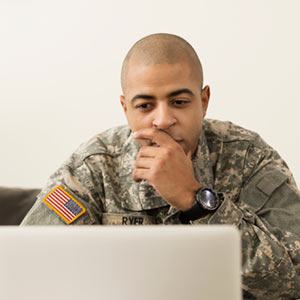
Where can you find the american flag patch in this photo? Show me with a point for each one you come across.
(64, 204)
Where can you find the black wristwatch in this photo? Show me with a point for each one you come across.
(206, 201)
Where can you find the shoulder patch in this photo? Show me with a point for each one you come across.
(64, 205)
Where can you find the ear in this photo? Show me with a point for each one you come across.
(205, 95)
(123, 103)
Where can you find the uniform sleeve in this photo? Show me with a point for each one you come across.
(267, 213)
(76, 179)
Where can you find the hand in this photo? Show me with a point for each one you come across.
(166, 167)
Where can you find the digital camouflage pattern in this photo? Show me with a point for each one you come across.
(260, 197)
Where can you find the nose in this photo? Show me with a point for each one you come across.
(163, 118)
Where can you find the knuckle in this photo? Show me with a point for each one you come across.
(168, 152)
(159, 165)
(140, 153)
(135, 176)
(153, 175)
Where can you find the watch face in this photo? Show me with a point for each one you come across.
(209, 199)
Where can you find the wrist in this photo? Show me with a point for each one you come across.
(189, 197)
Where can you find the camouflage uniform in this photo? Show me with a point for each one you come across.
(260, 198)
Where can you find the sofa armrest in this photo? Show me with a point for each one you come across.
(15, 203)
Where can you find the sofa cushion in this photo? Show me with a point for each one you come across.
(15, 203)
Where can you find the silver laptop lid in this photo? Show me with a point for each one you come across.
(113, 263)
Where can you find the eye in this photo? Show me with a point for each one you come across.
(144, 106)
(180, 102)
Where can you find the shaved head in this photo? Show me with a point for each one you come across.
(162, 48)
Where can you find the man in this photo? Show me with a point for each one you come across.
(170, 166)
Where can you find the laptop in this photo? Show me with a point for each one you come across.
(120, 262)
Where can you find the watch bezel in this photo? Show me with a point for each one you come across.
(201, 201)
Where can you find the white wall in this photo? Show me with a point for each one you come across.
(60, 64)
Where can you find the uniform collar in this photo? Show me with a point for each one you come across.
(202, 164)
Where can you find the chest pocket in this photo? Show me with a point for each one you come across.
(260, 189)
(127, 219)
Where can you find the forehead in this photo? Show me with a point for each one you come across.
(156, 77)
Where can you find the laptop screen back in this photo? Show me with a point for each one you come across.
(113, 263)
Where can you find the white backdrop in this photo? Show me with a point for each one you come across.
(60, 67)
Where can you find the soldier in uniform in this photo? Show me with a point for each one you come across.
(170, 165)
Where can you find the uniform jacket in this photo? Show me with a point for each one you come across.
(260, 197)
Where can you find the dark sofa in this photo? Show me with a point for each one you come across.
(15, 203)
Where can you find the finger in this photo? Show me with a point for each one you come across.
(144, 142)
(148, 151)
(144, 163)
(140, 174)
(158, 137)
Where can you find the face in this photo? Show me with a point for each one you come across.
(167, 97)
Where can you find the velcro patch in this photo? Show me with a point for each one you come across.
(64, 205)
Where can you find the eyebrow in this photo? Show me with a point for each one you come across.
(172, 94)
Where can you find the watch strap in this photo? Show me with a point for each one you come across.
(195, 212)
